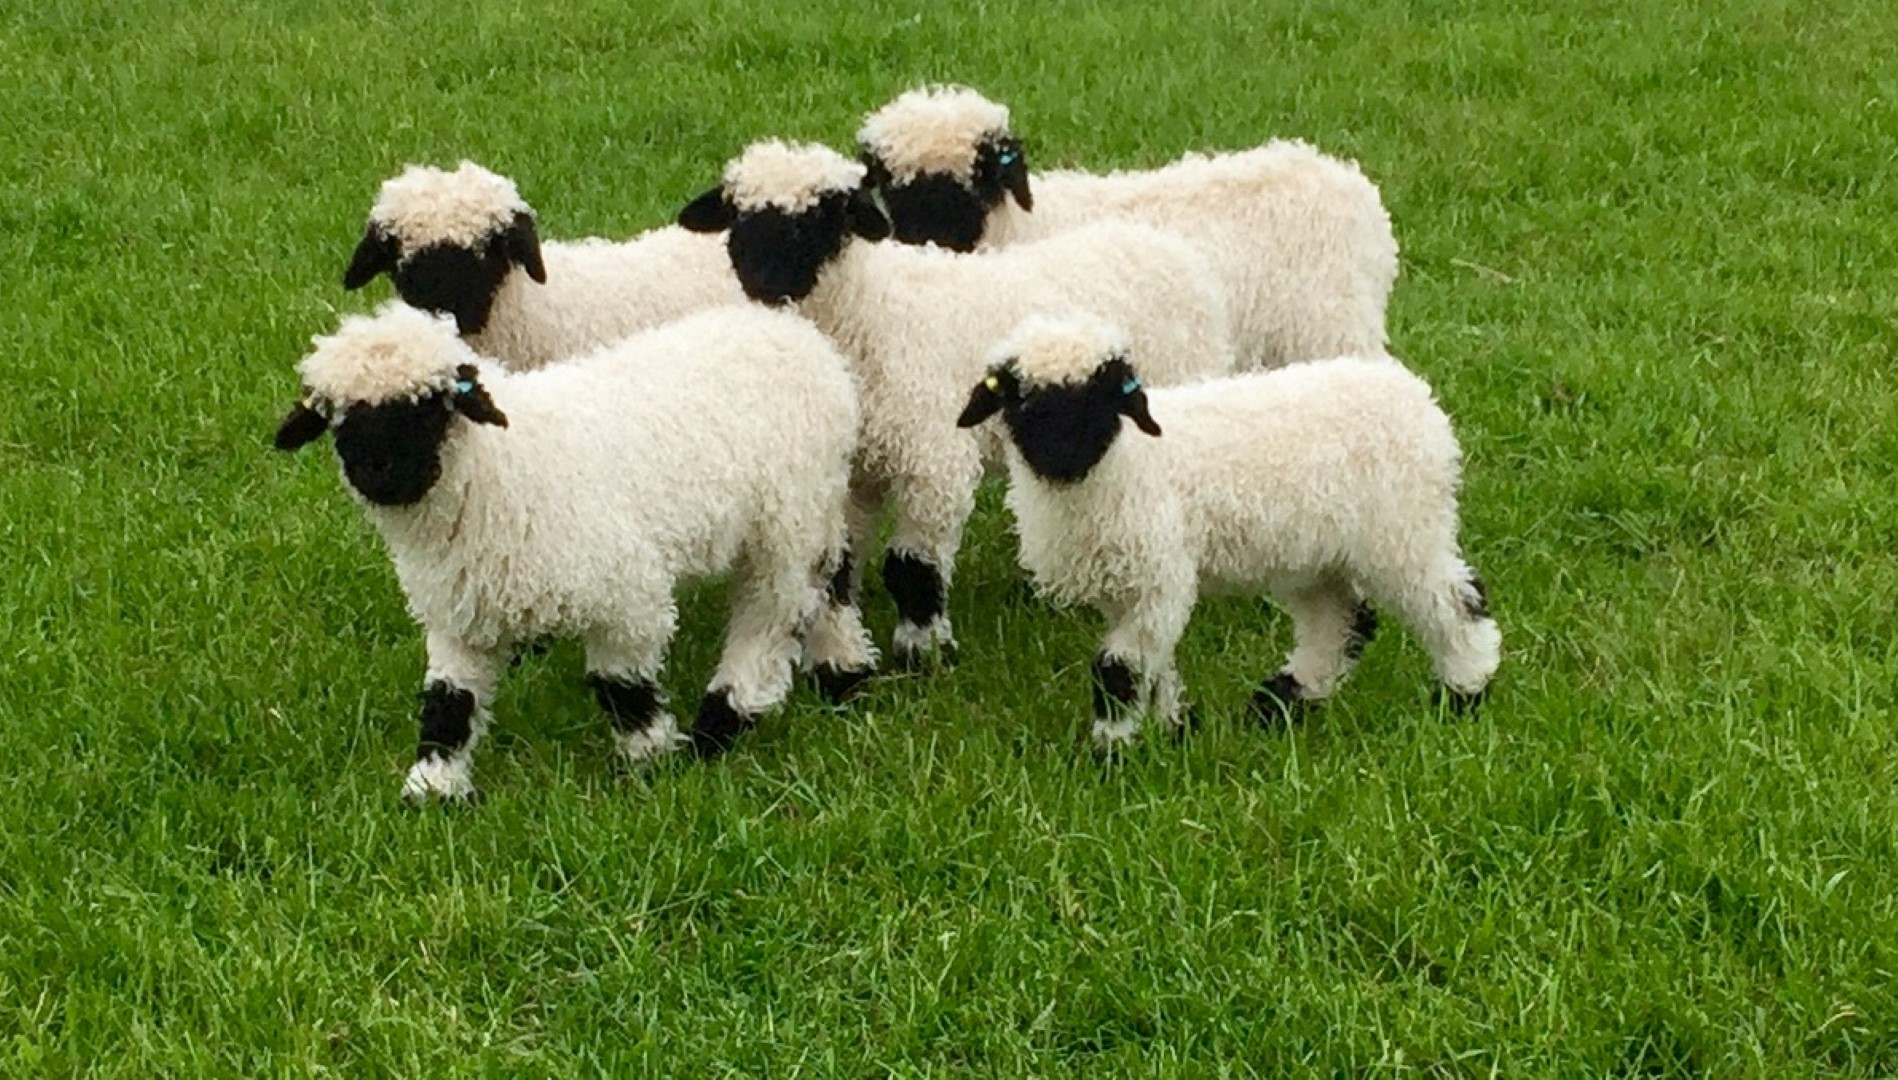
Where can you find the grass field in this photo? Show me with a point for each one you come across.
(1649, 251)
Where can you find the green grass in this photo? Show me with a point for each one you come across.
(1649, 254)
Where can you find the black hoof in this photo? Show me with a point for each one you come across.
(919, 661)
(838, 685)
(718, 725)
(1460, 703)
(1189, 723)
(1279, 702)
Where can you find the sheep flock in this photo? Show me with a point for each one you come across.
(1182, 373)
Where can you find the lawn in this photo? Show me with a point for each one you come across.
(1649, 251)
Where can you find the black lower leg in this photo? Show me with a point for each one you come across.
(447, 720)
(838, 684)
(631, 705)
(1279, 700)
(719, 724)
(1116, 689)
(843, 585)
(916, 585)
(1363, 629)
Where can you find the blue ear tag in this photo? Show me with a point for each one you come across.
(1129, 386)
(464, 386)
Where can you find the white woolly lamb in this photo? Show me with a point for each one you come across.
(464, 243)
(1300, 241)
(575, 499)
(917, 324)
(1317, 483)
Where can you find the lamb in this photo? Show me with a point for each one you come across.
(917, 324)
(574, 500)
(1301, 241)
(1322, 484)
(464, 243)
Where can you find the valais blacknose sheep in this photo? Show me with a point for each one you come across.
(1300, 241)
(1320, 484)
(464, 243)
(917, 324)
(574, 500)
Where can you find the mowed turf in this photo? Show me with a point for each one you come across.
(1649, 252)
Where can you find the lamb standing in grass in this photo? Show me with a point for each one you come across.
(1317, 483)
(917, 324)
(465, 244)
(574, 500)
(1300, 241)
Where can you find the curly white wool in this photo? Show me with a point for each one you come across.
(399, 353)
(932, 129)
(425, 205)
(787, 176)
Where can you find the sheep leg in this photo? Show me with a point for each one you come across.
(1449, 610)
(930, 514)
(769, 603)
(1330, 628)
(837, 646)
(623, 670)
(1134, 674)
(455, 696)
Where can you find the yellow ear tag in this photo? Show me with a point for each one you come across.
(992, 383)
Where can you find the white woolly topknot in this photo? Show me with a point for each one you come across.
(788, 176)
(932, 129)
(426, 205)
(399, 353)
(1049, 350)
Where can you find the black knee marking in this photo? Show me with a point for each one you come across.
(631, 704)
(1475, 598)
(447, 720)
(1116, 690)
(1363, 629)
(718, 724)
(838, 684)
(841, 592)
(916, 586)
(1280, 700)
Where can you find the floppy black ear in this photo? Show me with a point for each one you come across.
(375, 254)
(523, 246)
(472, 400)
(875, 174)
(984, 401)
(304, 425)
(1012, 168)
(709, 213)
(1130, 396)
(865, 219)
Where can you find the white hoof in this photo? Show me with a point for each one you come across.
(439, 777)
(661, 737)
(1113, 734)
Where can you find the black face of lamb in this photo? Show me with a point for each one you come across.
(447, 720)
(391, 453)
(778, 255)
(937, 208)
(448, 279)
(1064, 431)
